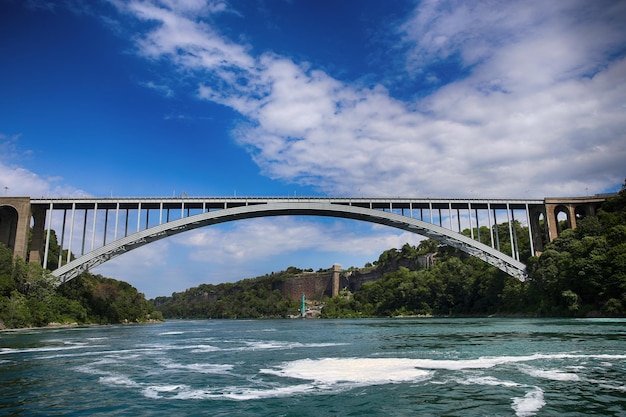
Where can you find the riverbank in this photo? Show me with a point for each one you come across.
(71, 325)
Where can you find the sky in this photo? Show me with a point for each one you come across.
(395, 98)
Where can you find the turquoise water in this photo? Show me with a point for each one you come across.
(401, 367)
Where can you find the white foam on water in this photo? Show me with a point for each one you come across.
(552, 374)
(118, 380)
(613, 387)
(204, 368)
(7, 351)
(529, 404)
(361, 371)
(170, 333)
(490, 362)
(237, 393)
(205, 349)
(93, 339)
(154, 391)
(160, 347)
(245, 394)
(487, 380)
(279, 345)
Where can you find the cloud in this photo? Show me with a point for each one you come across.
(18, 181)
(538, 105)
(162, 89)
(248, 241)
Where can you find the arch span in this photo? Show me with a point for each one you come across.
(448, 237)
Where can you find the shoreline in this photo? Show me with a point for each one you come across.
(72, 325)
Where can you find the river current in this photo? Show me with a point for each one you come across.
(385, 367)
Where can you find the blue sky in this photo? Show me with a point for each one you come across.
(281, 98)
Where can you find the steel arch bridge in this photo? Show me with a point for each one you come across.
(98, 256)
(103, 236)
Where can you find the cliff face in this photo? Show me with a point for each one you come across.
(317, 285)
(314, 286)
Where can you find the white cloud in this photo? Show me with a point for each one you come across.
(540, 111)
(17, 181)
(248, 241)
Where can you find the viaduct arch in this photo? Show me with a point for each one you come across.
(15, 215)
(492, 256)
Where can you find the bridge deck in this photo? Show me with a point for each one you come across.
(214, 203)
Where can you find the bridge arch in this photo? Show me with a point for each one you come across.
(504, 262)
(15, 218)
(9, 218)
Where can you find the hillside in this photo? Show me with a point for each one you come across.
(582, 273)
(29, 297)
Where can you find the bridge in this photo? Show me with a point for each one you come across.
(99, 229)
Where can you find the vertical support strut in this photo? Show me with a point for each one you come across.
(495, 222)
(430, 212)
(106, 223)
(490, 225)
(450, 214)
(93, 229)
(69, 245)
(530, 231)
(514, 229)
(469, 216)
(126, 224)
(477, 224)
(508, 219)
(62, 239)
(47, 250)
(82, 248)
(139, 217)
(117, 216)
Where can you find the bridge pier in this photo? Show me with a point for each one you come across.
(37, 241)
(15, 224)
(537, 234)
(574, 208)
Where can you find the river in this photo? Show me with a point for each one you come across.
(363, 367)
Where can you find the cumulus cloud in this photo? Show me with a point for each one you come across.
(538, 111)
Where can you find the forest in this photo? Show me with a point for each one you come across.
(29, 297)
(249, 298)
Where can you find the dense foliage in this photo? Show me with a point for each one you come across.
(249, 298)
(30, 297)
(456, 284)
(581, 273)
